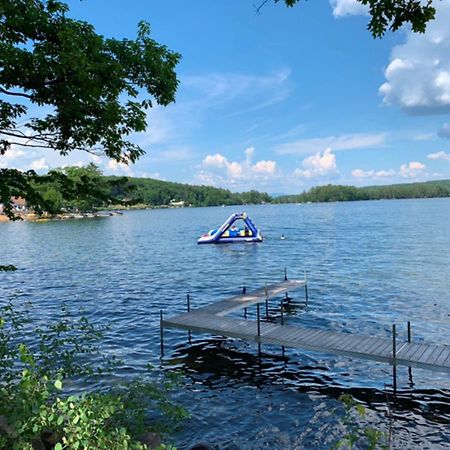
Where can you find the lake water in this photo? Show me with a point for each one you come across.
(370, 264)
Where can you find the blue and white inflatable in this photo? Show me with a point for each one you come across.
(229, 233)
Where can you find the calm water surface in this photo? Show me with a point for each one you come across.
(370, 264)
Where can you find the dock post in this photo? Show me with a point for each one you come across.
(244, 291)
(282, 313)
(306, 289)
(188, 301)
(394, 356)
(285, 274)
(267, 303)
(161, 329)
(409, 331)
(258, 322)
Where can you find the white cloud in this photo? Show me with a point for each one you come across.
(218, 170)
(119, 168)
(412, 169)
(265, 167)
(247, 92)
(39, 164)
(249, 152)
(216, 160)
(343, 8)
(318, 165)
(13, 153)
(375, 174)
(444, 131)
(439, 155)
(418, 76)
(343, 142)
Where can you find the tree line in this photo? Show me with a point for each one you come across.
(86, 188)
(342, 193)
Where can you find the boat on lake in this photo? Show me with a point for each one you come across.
(230, 233)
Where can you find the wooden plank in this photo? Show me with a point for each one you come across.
(436, 352)
(447, 361)
(421, 355)
(421, 348)
(426, 354)
(408, 351)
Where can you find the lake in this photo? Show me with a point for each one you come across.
(369, 264)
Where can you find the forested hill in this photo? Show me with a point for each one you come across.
(86, 188)
(340, 193)
(157, 192)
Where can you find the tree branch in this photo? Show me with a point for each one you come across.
(16, 94)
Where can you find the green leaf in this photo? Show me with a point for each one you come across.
(58, 446)
(58, 384)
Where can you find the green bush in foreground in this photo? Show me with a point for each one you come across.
(35, 412)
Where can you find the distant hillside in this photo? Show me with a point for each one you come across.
(340, 193)
(86, 188)
(157, 192)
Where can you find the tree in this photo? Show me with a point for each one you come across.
(64, 87)
(390, 14)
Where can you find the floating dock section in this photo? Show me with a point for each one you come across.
(213, 319)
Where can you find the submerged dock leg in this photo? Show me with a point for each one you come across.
(306, 289)
(409, 331)
(267, 304)
(258, 324)
(188, 301)
(161, 329)
(285, 274)
(282, 323)
(244, 291)
(394, 356)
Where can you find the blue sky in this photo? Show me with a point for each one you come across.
(285, 99)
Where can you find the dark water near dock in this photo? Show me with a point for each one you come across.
(370, 264)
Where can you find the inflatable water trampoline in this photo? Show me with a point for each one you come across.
(230, 233)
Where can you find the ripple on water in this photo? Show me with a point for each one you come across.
(369, 264)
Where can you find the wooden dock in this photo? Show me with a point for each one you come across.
(212, 319)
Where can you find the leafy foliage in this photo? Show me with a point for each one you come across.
(357, 436)
(393, 14)
(64, 87)
(90, 84)
(34, 409)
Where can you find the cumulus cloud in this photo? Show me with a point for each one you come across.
(318, 165)
(119, 168)
(13, 153)
(265, 167)
(39, 164)
(343, 8)
(418, 76)
(375, 174)
(439, 155)
(412, 169)
(225, 171)
(444, 131)
(343, 142)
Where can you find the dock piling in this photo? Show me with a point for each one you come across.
(409, 331)
(188, 301)
(282, 313)
(244, 291)
(306, 289)
(267, 303)
(258, 324)
(161, 329)
(394, 356)
(285, 274)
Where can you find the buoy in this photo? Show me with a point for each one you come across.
(282, 237)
